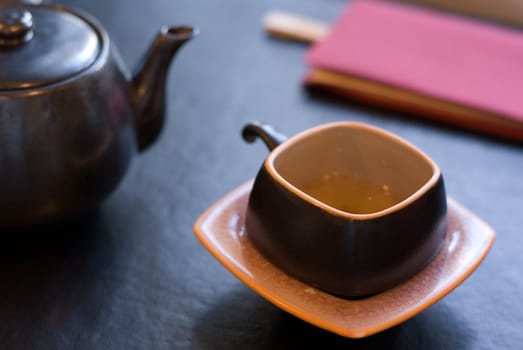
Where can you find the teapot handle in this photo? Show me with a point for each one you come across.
(270, 136)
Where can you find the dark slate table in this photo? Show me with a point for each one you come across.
(133, 275)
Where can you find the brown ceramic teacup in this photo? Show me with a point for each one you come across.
(346, 207)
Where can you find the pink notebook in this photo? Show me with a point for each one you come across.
(431, 64)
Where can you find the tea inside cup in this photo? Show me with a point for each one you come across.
(354, 169)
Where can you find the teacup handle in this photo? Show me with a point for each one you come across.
(270, 136)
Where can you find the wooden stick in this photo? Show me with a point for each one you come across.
(289, 26)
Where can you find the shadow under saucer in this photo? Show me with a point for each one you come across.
(243, 320)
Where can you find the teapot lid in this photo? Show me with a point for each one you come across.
(44, 44)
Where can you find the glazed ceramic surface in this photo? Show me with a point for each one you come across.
(348, 253)
(221, 229)
(71, 114)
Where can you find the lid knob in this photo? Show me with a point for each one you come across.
(16, 27)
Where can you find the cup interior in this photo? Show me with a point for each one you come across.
(352, 168)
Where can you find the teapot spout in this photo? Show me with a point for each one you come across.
(148, 83)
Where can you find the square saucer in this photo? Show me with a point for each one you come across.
(221, 230)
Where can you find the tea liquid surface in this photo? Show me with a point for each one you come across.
(350, 193)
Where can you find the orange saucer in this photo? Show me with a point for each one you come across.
(221, 230)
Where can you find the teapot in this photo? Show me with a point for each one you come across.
(71, 115)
